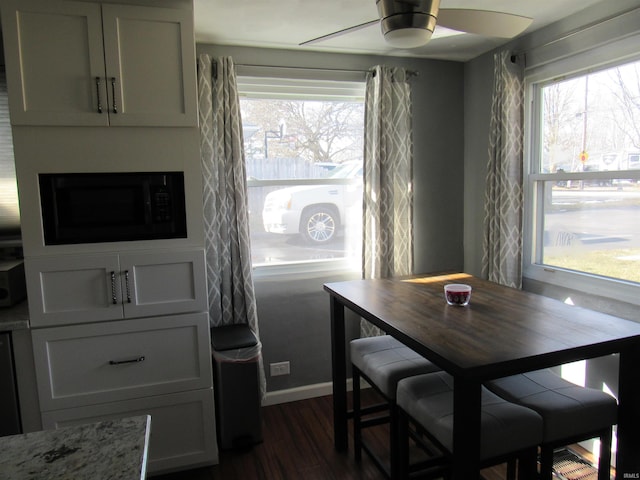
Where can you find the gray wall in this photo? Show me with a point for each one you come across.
(293, 311)
(478, 83)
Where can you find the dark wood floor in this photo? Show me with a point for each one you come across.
(298, 444)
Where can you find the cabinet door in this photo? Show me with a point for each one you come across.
(55, 62)
(163, 283)
(183, 431)
(73, 289)
(150, 58)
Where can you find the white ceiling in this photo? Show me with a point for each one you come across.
(287, 23)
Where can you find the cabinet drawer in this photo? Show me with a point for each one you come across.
(183, 431)
(105, 362)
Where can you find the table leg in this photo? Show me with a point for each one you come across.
(339, 376)
(628, 460)
(466, 429)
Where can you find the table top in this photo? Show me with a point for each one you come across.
(114, 449)
(501, 332)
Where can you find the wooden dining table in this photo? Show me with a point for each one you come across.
(503, 331)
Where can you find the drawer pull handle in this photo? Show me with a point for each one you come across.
(114, 299)
(121, 362)
(98, 92)
(128, 289)
(113, 94)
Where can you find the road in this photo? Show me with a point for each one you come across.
(274, 249)
(601, 218)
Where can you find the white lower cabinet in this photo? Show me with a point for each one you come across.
(106, 362)
(182, 433)
(159, 366)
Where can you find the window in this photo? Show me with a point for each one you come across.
(304, 142)
(9, 213)
(583, 188)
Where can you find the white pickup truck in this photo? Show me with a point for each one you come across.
(317, 212)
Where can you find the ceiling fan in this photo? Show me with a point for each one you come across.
(410, 23)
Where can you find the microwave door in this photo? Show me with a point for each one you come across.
(90, 208)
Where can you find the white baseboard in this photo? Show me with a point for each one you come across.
(300, 393)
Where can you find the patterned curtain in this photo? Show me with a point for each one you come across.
(226, 218)
(502, 246)
(388, 158)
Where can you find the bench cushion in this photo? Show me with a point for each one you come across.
(568, 410)
(505, 427)
(384, 360)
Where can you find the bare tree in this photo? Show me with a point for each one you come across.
(318, 131)
(559, 111)
(627, 93)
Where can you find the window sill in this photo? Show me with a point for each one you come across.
(309, 268)
(564, 282)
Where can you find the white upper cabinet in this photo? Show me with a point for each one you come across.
(75, 289)
(77, 63)
(55, 62)
(151, 68)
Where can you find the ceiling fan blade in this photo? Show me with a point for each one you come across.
(483, 22)
(341, 32)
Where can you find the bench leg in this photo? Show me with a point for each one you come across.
(546, 463)
(401, 469)
(511, 470)
(528, 465)
(357, 416)
(604, 463)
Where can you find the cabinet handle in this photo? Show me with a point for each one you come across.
(122, 362)
(98, 92)
(126, 283)
(113, 93)
(114, 299)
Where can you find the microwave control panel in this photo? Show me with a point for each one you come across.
(161, 205)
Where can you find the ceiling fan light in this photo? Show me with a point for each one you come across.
(408, 37)
(406, 29)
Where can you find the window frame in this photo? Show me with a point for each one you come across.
(536, 78)
(297, 83)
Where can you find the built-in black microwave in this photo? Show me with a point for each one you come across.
(112, 207)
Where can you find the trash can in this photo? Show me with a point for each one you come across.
(236, 358)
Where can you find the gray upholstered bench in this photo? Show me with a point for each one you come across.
(507, 431)
(571, 413)
(381, 361)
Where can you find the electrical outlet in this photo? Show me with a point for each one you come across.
(280, 368)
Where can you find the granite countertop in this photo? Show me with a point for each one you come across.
(113, 449)
(15, 317)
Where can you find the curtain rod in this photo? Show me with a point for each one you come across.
(578, 30)
(411, 73)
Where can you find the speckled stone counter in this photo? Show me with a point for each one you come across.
(15, 317)
(113, 450)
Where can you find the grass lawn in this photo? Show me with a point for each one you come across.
(619, 263)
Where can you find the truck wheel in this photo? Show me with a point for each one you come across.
(318, 225)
